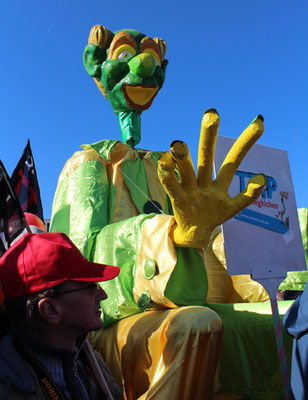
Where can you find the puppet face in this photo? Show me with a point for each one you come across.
(130, 69)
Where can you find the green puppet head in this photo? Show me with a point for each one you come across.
(129, 69)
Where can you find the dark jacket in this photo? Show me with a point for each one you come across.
(296, 324)
(18, 380)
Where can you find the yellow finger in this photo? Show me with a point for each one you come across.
(185, 167)
(238, 151)
(206, 150)
(166, 175)
(250, 194)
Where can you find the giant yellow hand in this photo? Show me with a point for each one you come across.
(199, 203)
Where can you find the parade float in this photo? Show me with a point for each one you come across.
(176, 324)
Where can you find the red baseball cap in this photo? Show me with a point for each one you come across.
(38, 261)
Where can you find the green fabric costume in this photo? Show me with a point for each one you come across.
(101, 216)
(90, 201)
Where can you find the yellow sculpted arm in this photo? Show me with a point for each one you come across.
(199, 203)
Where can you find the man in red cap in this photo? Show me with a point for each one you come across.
(52, 301)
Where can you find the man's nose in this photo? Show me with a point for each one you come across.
(143, 65)
(101, 294)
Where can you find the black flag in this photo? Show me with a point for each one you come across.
(24, 182)
(12, 218)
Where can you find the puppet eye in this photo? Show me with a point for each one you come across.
(124, 55)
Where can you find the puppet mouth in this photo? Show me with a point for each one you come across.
(138, 96)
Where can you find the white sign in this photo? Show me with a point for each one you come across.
(265, 237)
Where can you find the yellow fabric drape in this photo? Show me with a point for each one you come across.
(156, 245)
(224, 288)
(175, 357)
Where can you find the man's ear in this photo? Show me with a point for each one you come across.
(95, 52)
(49, 310)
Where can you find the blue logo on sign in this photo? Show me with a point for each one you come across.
(257, 218)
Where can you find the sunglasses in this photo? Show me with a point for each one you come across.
(93, 285)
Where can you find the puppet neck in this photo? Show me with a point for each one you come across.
(130, 127)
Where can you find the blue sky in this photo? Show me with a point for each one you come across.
(242, 57)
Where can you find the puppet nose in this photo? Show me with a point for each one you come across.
(143, 65)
